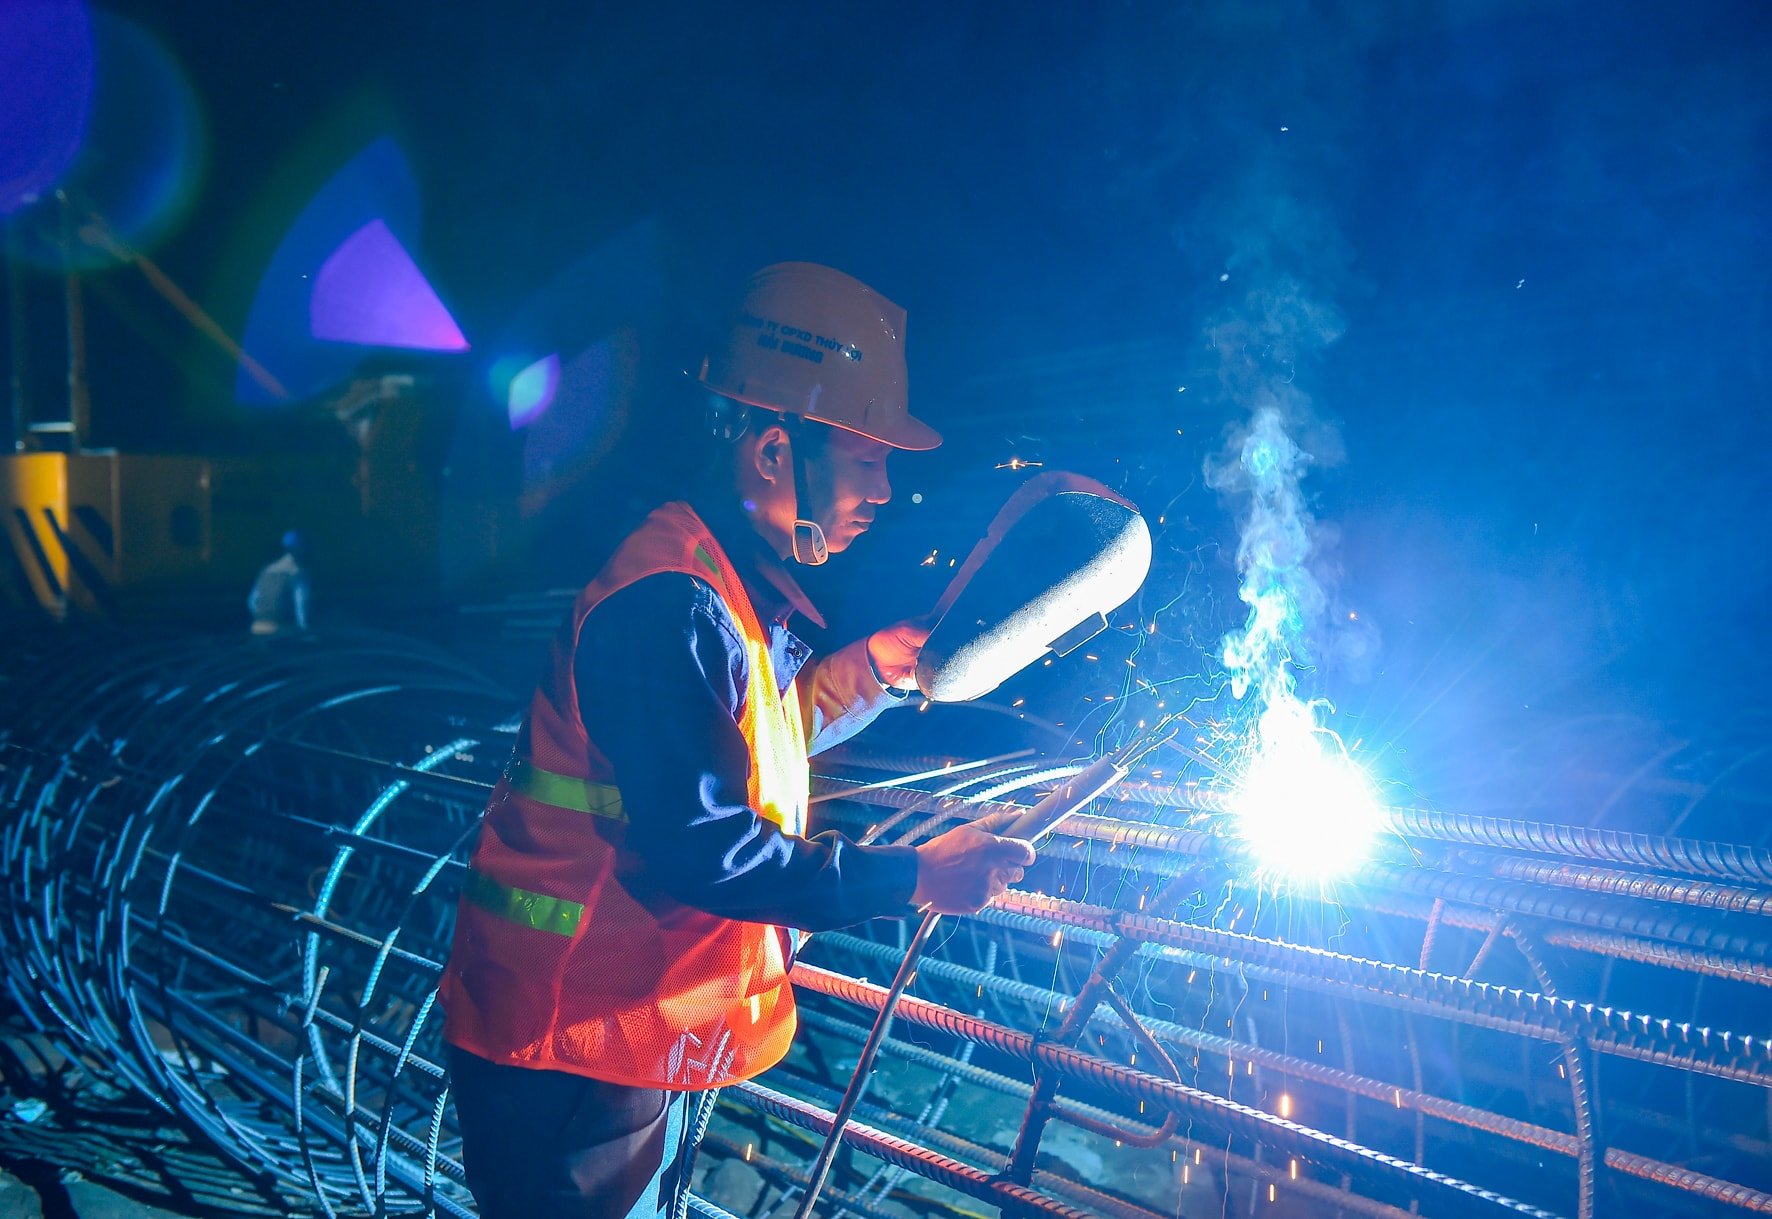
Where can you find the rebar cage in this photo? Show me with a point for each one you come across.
(230, 879)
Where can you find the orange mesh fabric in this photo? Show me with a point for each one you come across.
(554, 964)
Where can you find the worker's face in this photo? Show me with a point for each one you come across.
(845, 483)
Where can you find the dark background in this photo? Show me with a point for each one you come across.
(1505, 265)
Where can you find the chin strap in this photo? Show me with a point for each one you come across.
(729, 420)
(810, 547)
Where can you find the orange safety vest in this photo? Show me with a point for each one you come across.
(555, 965)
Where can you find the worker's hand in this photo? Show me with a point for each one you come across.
(894, 651)
(965, 869)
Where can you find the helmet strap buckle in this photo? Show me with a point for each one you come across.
(810, 547)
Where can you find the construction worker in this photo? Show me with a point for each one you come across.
(623, 937)
(279, 598)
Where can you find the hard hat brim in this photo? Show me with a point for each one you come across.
(907, 432)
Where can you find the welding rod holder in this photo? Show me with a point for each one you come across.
(1066, 798)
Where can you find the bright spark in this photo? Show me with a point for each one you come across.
(1304, 808)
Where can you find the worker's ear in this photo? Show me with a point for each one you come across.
(775, 455)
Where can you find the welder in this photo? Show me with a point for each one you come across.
(632, 905)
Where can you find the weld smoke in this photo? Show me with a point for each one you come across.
(1282, 550)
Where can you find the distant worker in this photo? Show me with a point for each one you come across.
(622, 940)
(279, 598)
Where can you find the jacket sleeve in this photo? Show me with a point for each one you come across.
(661, 675)
(841, 694)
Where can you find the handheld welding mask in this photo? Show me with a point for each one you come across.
(1060, 556)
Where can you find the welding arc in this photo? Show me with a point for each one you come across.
(1032, 826)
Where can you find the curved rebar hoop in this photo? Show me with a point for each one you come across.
(230, 874)
(1097, 989)
(1590, 1152)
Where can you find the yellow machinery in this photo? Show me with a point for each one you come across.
(102, 532)
(107, 533)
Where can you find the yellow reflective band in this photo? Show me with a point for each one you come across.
(537, 911)
(564, 791)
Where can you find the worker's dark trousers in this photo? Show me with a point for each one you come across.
(548, 1145)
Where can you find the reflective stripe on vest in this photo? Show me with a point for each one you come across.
(643, 993)
(564, 791)
(524, 907)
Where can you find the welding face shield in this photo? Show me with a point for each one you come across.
(1063, 553)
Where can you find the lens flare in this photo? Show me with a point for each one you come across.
(375, 185)
(1303, 807)
(94, 106)
(370, 293)
(45, 92)
(532, 391)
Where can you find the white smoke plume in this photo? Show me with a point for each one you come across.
(1302, 805)
(1261, 472)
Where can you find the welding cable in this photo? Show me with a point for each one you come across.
(695, 1129)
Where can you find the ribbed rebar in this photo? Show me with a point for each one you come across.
(229, 877)
(1014, 1199)
(1647, 1038)
(1089, 1069)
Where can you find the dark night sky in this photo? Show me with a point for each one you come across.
(1507, 262)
